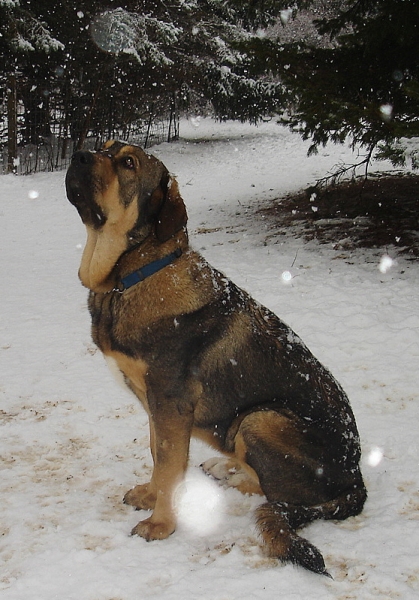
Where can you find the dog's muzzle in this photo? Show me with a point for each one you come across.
(80, 189)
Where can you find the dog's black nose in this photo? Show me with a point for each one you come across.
(83, 158)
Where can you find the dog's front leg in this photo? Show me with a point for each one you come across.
(169, 439)
(144, 495)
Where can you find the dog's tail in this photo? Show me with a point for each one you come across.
(278, 522)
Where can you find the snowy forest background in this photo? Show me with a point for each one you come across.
(328, 69)
(338, 263)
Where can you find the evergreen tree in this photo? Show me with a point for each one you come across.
(25, 39)
(138, 53)
(361, 78)
(21, 32)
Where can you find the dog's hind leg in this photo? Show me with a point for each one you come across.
(301, 479)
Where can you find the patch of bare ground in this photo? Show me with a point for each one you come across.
(377, 212)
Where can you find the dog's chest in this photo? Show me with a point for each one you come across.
(131, 372)
(116, 323)
(102, 319)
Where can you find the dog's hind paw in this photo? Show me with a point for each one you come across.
(231, 473)
(221, 469)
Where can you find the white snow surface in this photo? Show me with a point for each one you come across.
(73, 441)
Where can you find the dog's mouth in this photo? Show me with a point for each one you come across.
(80, 187)
(90, 212)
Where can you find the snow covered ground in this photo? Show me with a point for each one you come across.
(72, 441)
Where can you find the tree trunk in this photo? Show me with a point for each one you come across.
(12, 124)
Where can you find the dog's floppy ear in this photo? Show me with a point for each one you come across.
(172, 215)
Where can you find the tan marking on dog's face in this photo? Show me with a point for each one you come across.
(122, 195)
(108, 144)
(116, 193)
(105, 246)
(117, 180)
(138, 175)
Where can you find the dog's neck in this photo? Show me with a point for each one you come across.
(131, 265)
(146, 271)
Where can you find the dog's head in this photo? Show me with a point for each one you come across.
(123, 196)
(121, 178)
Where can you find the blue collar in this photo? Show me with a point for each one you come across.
(153, 267)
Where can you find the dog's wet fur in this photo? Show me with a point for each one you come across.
(205, 359)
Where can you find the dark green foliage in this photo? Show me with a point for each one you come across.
(141, 54)
(361, 80)
(244, 99)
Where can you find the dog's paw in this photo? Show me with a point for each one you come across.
(141, 497)
(221, 469)
(226, 471)
(230, 473)
(150, 530)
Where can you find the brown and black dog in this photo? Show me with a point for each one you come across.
(205, 359)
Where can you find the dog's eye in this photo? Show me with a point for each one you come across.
(128, 162)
